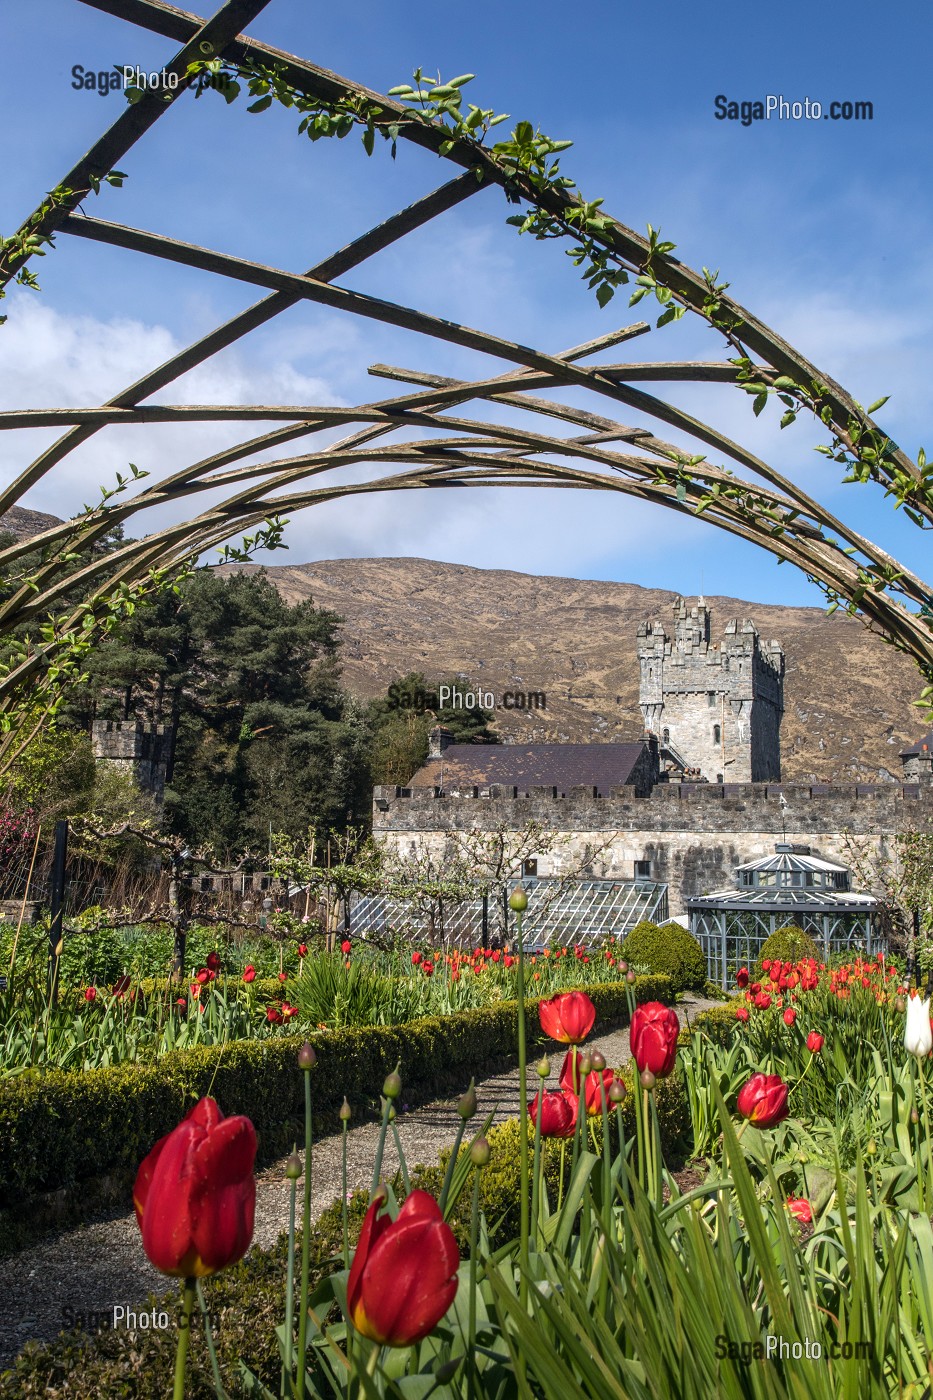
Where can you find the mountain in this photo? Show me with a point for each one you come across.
(26, 523)
(848, 696)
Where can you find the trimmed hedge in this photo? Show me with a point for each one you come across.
(59, 1129)
(667, 949)
(789, 944)
(248, 1300)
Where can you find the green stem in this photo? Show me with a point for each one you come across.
(209, 1338)
(536, 1168)
(401, 1159)
(305, 1242)
(471, 1329)
(184, 1331)
(928, 1184)
(380, 1147)
(560, 1187)
(523, 1099)
(346, 1223)
(288, 1365)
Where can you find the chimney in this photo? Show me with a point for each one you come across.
(439, 739)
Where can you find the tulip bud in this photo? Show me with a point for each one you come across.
(307, 1056)
(293, 1167)
(388, 1108)
(616, 1091)
(345, 1112)
(914, 1116)
(446, 1373)
(466, 1104)
(597, 1060)
(479, 1152)
(871, 1147)
(393, 1085)
(543, 1067)
(900, 1005)
(648, 1080)
(622, 965)
(518, 900)
(630, 976)
(584, 1064)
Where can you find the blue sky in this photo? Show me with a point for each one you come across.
(820, 226)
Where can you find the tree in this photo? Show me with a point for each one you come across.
(403, 721)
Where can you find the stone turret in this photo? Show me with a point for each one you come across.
(721, 704)
(144, 748)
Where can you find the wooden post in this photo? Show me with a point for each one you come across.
(59, 872)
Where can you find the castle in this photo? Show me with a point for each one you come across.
(697, 796)
(143, 748)
(716, 709)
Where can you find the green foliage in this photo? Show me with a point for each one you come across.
(789, 944)
(59, 1129)
(668, 949)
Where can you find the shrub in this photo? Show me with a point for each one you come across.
(669, 950)
(718, 1022)
(789, 944)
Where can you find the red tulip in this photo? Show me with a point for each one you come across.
(283, 976)
(204, 976)
(121, 986)
(741, 977)
(181, 1001)
(427, 968)
(800, 1209)
(594, 1084)
(415, 958)
(345, 946)
(90, 994)
(288, 1011)
(568, 1017)
(404, 1274)
(653, 1038)
(763, 1100)
(195, 1194)
(763, 1001)
(302, 950)
(790, 1016)
(273, 1016)
(558, 1113)
(814, 1042)
(741, 1013)
(249, 973)
(213, 961)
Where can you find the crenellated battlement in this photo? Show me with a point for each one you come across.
(720, 704)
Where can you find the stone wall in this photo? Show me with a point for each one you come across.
(693, 834)
(144, 747)
(718, 704)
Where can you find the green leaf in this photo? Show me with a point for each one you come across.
(604, 293)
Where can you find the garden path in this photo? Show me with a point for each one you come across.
(58, 1281)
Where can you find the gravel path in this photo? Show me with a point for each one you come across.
(61, 1280)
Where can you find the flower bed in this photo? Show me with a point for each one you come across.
(60, 1129)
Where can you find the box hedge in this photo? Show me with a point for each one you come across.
(60, 1130)
(248, 1300)
(667, 949)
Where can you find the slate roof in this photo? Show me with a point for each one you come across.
(563, 766)
(925, 743)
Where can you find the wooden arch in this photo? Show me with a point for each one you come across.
(426, 437)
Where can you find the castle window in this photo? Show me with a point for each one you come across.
(717, 734)
(711, 698)
(666, 736)
(643, 870)
(530, 866)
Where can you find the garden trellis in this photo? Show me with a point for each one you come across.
(425, 438)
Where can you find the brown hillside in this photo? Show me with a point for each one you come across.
(847, 695)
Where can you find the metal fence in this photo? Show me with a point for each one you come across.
(560, 911)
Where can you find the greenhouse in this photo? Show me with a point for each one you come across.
(791, 887)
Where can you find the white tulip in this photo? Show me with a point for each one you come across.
(918, 1037)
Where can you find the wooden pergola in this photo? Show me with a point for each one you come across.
(434, 435)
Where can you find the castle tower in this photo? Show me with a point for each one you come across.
(718, 707)
(143, 748)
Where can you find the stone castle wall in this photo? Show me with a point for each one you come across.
(145, 747)
(694, 835)
(720, 705)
